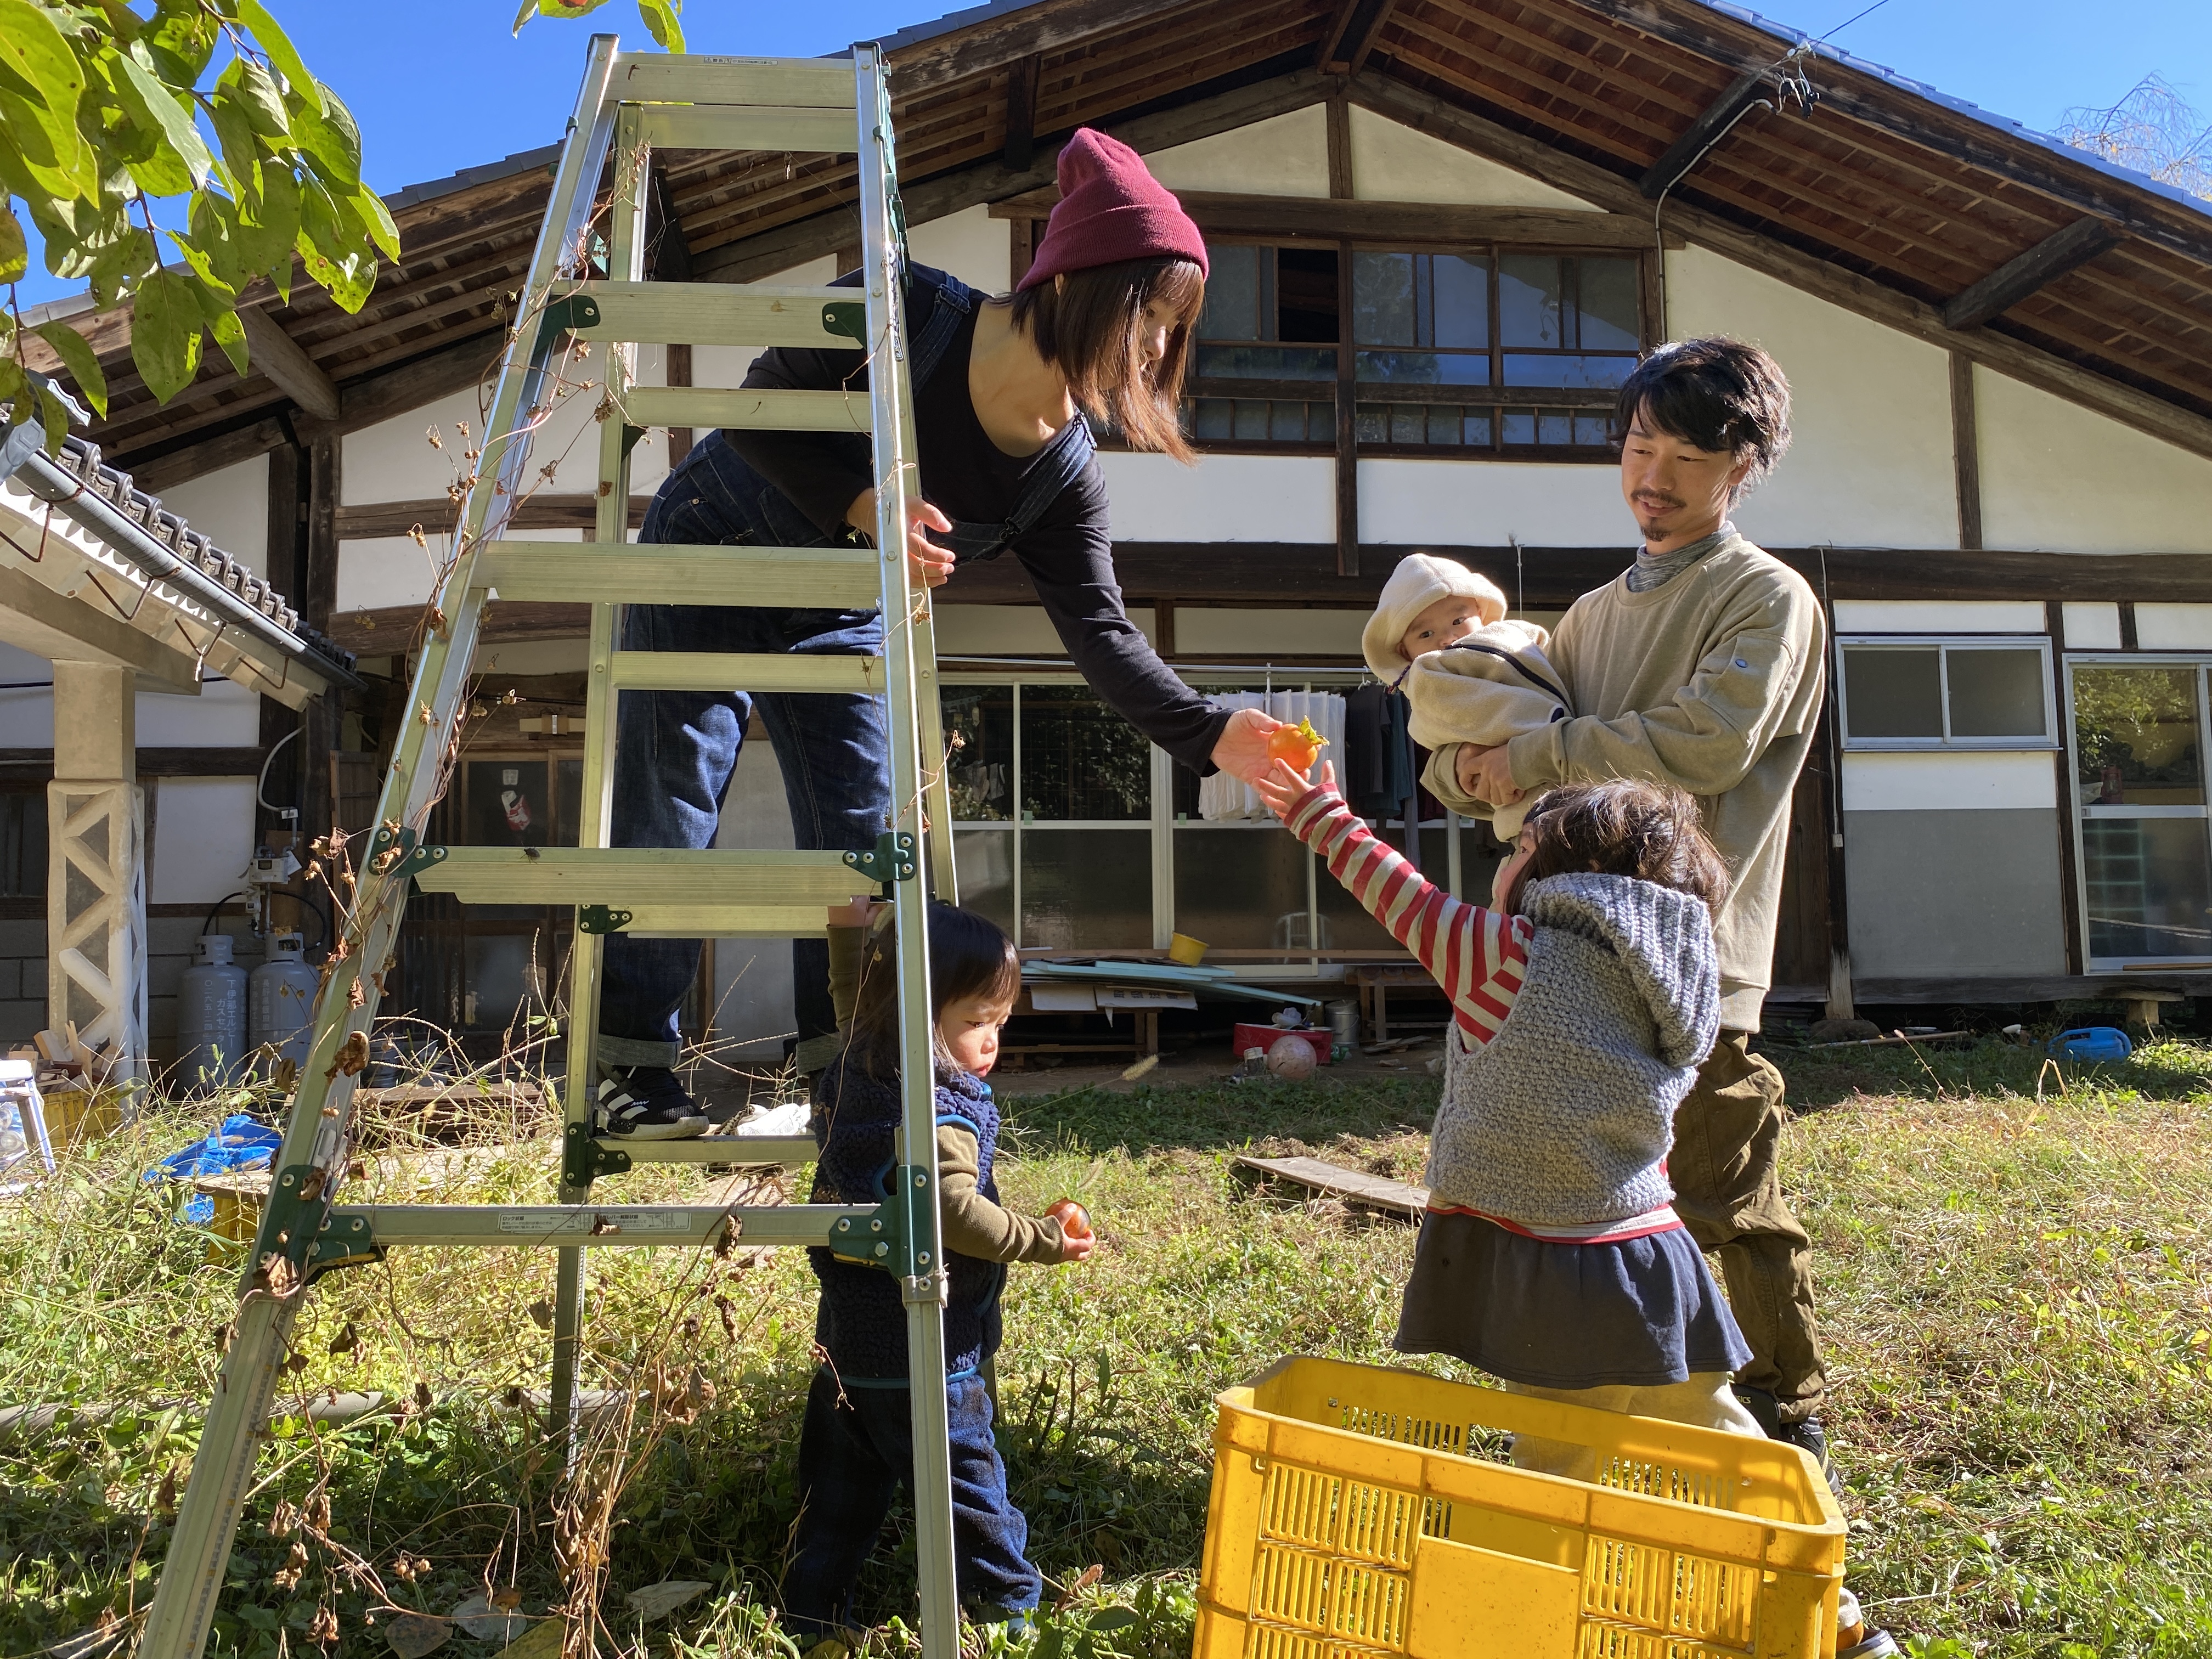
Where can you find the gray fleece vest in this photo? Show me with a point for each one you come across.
(1564, 1118)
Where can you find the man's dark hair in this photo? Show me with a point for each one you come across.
(1717, 393)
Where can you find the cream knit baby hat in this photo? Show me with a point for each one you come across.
(1420, 580)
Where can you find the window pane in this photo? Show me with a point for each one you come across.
(23, 844)
(1409, 424)
(1088, 890)
(1233, 293)
(986, 862)
(1320, 423)
(1371, 423)
(508, 804)
(1528, 287)
(1265, 363)
(2147, 886)
(1443, 424)
(1461, 301)
(1422, 368)
(1251, 419)
(1476, 428)
(1305, 287)
(981, 718)
(1287, 422)
(1080, 758)
(1593, 432)
(1345, 923)
(1382, 299)
(1996, 694)
(1522, 369)
(2135, 729)
(1555, 428)
(1609, 305)
(1210, 418)
(1240, 889)
(1520, 425)
(1891, 693)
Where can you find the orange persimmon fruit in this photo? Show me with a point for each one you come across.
(1299, 744)
(1074, 1219)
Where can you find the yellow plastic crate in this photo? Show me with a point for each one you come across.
(1357, 1511)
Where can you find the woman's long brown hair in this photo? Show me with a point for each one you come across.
(1089, 323)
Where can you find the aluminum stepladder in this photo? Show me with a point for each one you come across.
(629, 103)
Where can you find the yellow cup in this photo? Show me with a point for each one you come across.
(1183, 948)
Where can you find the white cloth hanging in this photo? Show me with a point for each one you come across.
(1222, 798)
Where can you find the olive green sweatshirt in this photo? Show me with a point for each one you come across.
(1712, 681)
(972, 1225)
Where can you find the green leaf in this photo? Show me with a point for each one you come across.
(268, 228)
(153, 107)
(554, 8)
(376, 220)
(165, 333)
(278, 45)
(215, 232)
(11, 380)
(81, 360)
(325, 130)
(334, 250)
(230, 334)
(204, 267)
(34, 49)
(53, 416)
(256, 91)
(15, 252)
(1109, 1618)
(662, 22)
(185, 33)
(242, 149)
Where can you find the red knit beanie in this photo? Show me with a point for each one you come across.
(1111, 209)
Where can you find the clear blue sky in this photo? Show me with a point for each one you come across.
(438, 85)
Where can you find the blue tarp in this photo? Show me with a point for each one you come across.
(240, 1143)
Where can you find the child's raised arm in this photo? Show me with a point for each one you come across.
(1475, 954)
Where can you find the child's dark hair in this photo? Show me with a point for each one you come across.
(969, 956)
(1623, 826)
(1724, 395)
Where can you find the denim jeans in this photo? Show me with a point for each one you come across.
(677, 748)
(853, 1454)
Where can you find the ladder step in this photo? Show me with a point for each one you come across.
(726, 921)
(750, 126)
(645, 572)
(655, 77)
(789, 1151)
(702, 406)
(722, 314)
(376, 1225)
(706, 671)
(625, 877)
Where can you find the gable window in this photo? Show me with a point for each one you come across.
(1496, 351)
(1946, 693)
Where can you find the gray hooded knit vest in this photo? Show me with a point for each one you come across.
(1564, 1119)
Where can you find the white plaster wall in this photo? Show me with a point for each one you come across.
(2174, 627)
(1283, 156)
(231, 508)
(1391, 163)
(970, 244)
(27, 716)
(1871, 408)
(1224, 498)
(1205, 630)
(725, 365)
(225, 715)
(1487, 503)
(534, 657)
(1924, 782)
(2092, 627)
(1010, 630)
(1942, 616)
(390, 570)
(202, 837)
(2058, 478)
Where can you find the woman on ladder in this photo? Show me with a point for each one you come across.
(1101, 328)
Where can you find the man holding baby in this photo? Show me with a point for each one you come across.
(1703, 665)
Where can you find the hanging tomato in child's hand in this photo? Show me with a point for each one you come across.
(1299, 744)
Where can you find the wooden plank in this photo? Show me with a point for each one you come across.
(736, 126)
(273, 353)
(774, 412)
(1965, 452)
(2041, 265)
(388, 629)
(1352, 1186)
(437, 514)
(244, 443)
(1019, 149)
(602, 571)
(654, 77)
(2090, 390)
(1044, 27)
(36, 765)
(1349, 39)
(1296, 218)
(1712, 121)
(715, 313)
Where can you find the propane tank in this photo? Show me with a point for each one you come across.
(281, 1001)
(210, 1016)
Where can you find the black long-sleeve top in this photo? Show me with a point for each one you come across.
(1069, 556)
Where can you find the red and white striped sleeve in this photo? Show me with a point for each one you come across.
(1476, 955)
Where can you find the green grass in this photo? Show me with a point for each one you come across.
(2016, 1295)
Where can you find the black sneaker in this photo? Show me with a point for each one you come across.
(646, 1102)
(1807, 1434)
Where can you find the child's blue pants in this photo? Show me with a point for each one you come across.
(854, 1455)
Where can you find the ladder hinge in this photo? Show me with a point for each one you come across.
(884, 1239)
(346, 1240)
(561, 316)
(848, 317)
(630, 435)
(297, 1221)
(387, 848)
(602, 919)
(892, 859)
(419, 860)
(583, 1160)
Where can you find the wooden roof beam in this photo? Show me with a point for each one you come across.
(2043, 264)
(292, 371)
(1704, 133)
(1351, 36)
(1021, 111)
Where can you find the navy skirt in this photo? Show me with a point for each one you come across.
(1638, 1314)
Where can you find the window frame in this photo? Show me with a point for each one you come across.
(1570, 401)
(2079, 813)
(1944, 644)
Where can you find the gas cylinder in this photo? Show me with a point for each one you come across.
(210, 1017)
(281, 1002)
